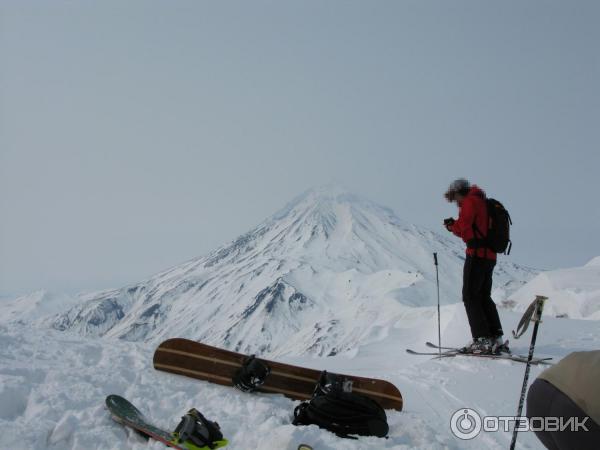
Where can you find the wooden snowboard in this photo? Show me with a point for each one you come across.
(204, 362)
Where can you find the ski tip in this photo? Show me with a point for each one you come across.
(113, 399)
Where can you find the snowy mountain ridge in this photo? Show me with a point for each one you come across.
(326, 272)
(572, 293)
(36, 305)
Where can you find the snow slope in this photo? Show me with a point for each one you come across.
(53, 385)
(34, 306)
(573, 292)
(322, 275)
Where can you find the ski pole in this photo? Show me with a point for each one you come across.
(537, 316)
(437, 279)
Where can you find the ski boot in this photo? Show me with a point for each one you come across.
(499, 345)
(478, 346)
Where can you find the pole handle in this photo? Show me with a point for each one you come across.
(539, 302)
(435, 259)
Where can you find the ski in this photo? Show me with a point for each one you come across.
(458, 350)
(506, 356)
(445, 353)
(432, 345)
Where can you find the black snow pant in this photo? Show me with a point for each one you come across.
(477, 297)
(546, 400)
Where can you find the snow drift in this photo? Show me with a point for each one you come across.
(573, 293)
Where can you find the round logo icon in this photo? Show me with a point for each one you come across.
(465, 424)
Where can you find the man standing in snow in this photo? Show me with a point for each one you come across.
(472, 227)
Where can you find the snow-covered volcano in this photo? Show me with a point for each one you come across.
(326, 272)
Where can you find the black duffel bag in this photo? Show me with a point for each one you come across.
(343, 413)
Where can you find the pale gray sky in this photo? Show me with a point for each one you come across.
(135, 135)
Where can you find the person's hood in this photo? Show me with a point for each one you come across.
(474, 191)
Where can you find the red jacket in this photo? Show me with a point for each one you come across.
(473, 210)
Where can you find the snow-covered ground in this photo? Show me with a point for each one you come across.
(53, 385)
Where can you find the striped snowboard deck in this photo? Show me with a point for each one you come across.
(204, 362)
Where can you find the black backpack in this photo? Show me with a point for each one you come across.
(498, 237)
(498, 233)
(343, 413)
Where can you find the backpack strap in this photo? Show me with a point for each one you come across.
(481, 241)
(528, 316)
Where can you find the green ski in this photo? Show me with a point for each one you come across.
(124, 412)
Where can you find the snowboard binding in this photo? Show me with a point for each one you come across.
(329, 382)
(251, 375)
(196, 432)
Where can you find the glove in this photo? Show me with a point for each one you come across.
(448, 223)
